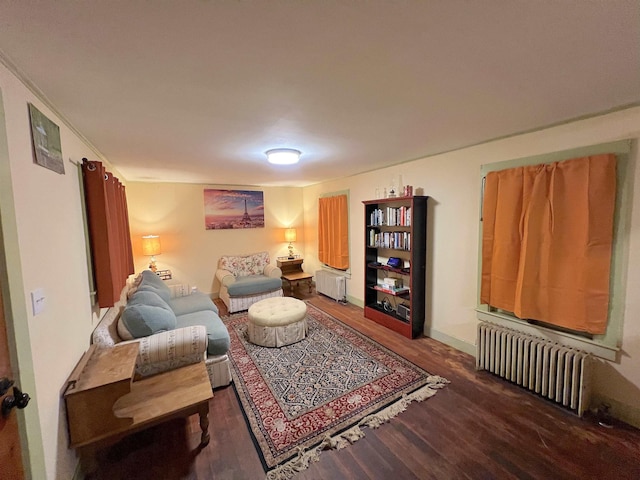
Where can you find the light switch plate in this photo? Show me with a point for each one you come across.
(37, 301)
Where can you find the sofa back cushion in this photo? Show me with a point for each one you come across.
(146, 313)
(245, 265)
(151, 282)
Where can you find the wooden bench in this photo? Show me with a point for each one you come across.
(105, 404)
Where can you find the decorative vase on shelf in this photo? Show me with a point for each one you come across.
(392, 191)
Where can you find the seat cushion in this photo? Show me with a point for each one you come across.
(252, 285)
(275, 312)
(195, 302)
(219, 339)
(146, 313)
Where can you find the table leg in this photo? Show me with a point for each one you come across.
(204, 424)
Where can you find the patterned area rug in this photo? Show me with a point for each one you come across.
(316, 394)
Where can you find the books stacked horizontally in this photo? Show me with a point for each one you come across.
(393, 285)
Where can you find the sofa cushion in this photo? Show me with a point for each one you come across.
(151, 281)
(219, 340)
(195, 302)
(253, 285)
(150, 288)
(146, 313)
(244, 265)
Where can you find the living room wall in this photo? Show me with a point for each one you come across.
(452, 180)
(44, 247)
(176, 213)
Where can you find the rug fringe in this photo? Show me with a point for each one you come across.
(303, 459)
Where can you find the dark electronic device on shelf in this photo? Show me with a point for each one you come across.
(394, 262)
(404, 312)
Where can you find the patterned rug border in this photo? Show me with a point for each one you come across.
(301, 457)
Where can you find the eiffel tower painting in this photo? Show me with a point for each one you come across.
(246, 218)
(233, 209)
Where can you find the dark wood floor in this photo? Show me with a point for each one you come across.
(478, 427)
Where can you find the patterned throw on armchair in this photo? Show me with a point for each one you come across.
(247, 279)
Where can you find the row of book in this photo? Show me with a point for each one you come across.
(395, 240)
(391, 217)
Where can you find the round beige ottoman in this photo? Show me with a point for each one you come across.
(277, 321)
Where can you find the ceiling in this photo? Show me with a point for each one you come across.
(196, 91)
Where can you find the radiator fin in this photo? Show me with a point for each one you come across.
(551, 370)
(332, 285)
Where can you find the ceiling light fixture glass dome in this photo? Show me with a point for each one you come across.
(283, 156)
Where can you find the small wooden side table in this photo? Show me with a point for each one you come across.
(104, 404)
(292, 272)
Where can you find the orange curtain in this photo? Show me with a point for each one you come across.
(546, 241)
(333, 232)
(108, 222)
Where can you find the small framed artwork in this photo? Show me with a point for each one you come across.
(45, 136)
(233, 209)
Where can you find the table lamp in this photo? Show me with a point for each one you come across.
(151, 247)
(290, 236)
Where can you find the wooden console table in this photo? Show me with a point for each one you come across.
(104, 403)
(292, 272)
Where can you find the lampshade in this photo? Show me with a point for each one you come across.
(290, 235)
(283, 156)
(151, 245)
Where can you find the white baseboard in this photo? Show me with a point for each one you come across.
(626, 413)
(452, 342)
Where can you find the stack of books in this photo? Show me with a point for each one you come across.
(393, 286)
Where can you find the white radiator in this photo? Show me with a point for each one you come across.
(549, 369)
(332, 285)
(180, 290)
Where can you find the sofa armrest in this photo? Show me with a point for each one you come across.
(225, 276)
(272, 271)
(173, 349)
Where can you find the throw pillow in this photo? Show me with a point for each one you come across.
(146, 313)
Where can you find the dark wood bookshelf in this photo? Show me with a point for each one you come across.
(404, 237)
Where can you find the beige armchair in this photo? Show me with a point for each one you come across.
(247, 279)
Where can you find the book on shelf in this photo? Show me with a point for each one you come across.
(393, 240)
(391, 216)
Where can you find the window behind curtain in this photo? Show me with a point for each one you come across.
(605, 345)
(333, 231)
(547, 239)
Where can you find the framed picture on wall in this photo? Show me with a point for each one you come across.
(45, 136)
(232, 209)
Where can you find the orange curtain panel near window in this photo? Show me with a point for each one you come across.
(108, 222)
(333, 232)
(547, 235)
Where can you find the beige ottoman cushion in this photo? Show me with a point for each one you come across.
(275, 322)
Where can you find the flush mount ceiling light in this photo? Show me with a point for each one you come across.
(283, 156)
